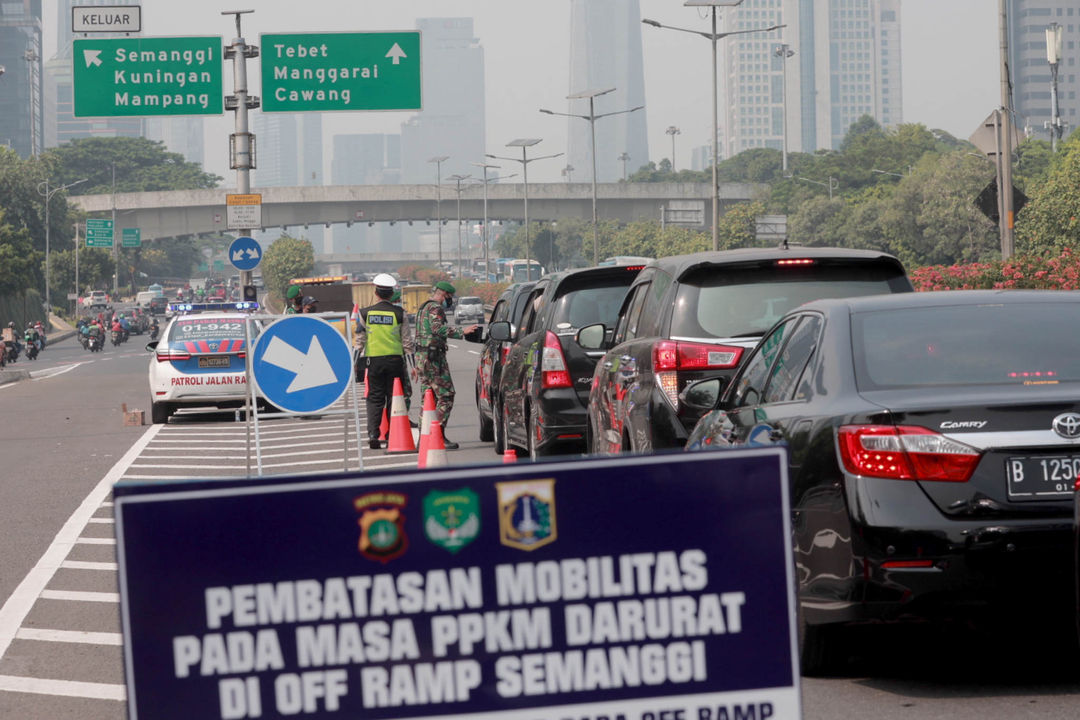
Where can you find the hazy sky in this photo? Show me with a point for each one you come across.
(949, 54)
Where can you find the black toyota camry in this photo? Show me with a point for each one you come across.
(934, 441)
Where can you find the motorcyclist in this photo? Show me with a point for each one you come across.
(33, 343)
(154, 328)
(11, 342)
(117, 331)
(41, 334)
(126, 326)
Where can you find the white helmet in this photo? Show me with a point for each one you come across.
(385, 280)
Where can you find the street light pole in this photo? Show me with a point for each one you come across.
(458, 179)
(439, 160)
(524, 144)
(48, 194)
(624, 158)
(568, 173)
(672, 131)
(833, 183)
(713, 37)
(592, 117)
(783, 51)
(487, 269)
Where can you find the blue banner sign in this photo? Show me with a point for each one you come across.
(652, 588)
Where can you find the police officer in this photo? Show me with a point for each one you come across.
(432, 367)
(384, 339)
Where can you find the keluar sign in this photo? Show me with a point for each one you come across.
(645, 587)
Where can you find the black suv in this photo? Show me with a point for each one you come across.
(544, 388)
(693, 317)
(509, 307)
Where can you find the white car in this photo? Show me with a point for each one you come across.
(199, 361)
(469, 309)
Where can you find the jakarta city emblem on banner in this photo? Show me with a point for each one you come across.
(452, 519)
(382, 525)
(526, 513)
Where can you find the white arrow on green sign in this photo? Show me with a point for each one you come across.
(99, 232)
(133, 76)
(312, 72)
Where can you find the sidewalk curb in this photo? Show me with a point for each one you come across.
(10, 376)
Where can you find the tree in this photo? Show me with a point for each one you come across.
(95, 270)
(1050, 222)
(285, 259)
(18, 259)
(142, 165)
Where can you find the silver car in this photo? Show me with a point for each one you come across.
(469, 309)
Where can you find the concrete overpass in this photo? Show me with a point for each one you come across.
(197, 212)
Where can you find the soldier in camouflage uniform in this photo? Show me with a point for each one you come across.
(432, 368)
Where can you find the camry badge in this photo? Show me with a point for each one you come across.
(1067, 425)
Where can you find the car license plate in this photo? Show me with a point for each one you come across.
(214, 361)
(1041, 477)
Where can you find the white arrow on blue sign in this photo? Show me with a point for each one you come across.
(245, 253)
(301, 364)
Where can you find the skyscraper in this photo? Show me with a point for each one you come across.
(452, 121)
(60, 122)
(289, 152)
(1029, 69)
(846, 65)
(20, 85)
(605, 52)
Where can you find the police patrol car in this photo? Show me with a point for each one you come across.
(200, 359)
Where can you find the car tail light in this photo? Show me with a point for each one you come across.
(905, 452)
(795, 261)
(670, 356)
(553, 372)
(173, 356)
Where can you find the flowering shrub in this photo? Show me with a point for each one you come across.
(1029, 272)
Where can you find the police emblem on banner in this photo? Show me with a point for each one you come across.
(526, 513)
(452, 519)
(382, 525)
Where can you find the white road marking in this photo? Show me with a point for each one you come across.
(70, 636)
(19, 604)
(96, 541)
(65, 688)
(474, 352)
(86, 565)
(53, 372)
(102, 521)
(80, 596)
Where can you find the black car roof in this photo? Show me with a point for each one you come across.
(941, 298)
(679, 265)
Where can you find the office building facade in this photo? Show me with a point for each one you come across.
(846, 64)
(605, 52)
(1030, 69)
(21, 106)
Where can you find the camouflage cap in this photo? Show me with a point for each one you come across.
(445, 287)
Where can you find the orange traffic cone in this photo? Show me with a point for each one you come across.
(384, 426)
(436, 449)
(509, 456)
(426, 416)
(401, 439)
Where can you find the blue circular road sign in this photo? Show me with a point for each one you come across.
(245, 253)
(301, 364)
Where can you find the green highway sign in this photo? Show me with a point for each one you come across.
(131, 237)
(137, 76)
(99, 232)
(99, 224)
(92, 241)
(219, 265)
(313, 72)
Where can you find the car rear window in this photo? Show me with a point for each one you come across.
(967, 345)
(470, 301)
(596, 300)
(734, 301)
(199, 328)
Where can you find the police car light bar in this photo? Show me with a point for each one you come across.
(249, 306)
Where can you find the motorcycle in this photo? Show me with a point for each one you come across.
(31, 349)
(93, 343)
(11, 351)
(153, 332)
(117, 337)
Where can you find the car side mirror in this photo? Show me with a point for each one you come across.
(702, 395)
(499, 331)
(151, 346)
(591, 337)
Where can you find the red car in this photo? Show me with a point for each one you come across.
(217, 294)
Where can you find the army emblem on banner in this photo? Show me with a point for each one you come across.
(382, 525)
(452, 519)
(526, 513)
